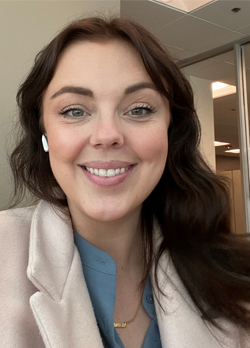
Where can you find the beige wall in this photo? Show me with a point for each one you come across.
(204, 106)
(25, 27)
(227, 163)
(238, 217)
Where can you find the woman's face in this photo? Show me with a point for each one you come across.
(106, 126)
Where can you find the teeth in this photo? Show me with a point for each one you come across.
(110, 172)
(106, 173)
(102, 172)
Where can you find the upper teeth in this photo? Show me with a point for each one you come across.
(108, 172)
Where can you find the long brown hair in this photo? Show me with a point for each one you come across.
(190, 203)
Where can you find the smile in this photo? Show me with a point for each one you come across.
(107, 172)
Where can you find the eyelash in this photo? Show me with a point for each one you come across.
(66, 110)
(150, 110)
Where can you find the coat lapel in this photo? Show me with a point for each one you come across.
(182, 325)
(62, 307)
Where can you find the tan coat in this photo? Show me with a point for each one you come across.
(44, 301)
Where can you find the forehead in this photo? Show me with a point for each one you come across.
(98, 50)
(99, 64)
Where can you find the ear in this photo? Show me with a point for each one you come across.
(45, 143)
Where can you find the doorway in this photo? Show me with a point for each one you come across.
(214, 81)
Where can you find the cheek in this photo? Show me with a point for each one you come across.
(64, 146)
(154, 147)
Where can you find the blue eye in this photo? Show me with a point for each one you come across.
(77, 112)
(73, 112)
(142, 111)
(139, 112)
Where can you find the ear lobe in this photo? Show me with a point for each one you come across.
(45, 143)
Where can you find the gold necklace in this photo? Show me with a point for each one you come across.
(125, 323)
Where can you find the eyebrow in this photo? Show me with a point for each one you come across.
(75, 90)
(87, 92)
(139, 86)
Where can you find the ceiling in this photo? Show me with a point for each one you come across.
(185, 5)
(187, 34)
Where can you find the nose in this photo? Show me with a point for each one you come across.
(107, 132)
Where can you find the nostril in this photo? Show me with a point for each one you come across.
(107, 141)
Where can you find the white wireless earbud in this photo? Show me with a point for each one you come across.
(45, 143)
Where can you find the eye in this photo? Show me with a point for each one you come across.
(73, 112)
(141, 111)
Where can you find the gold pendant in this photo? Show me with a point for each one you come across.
(120, 324)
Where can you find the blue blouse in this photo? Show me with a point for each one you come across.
(100, 274)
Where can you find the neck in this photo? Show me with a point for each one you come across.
(121, 239)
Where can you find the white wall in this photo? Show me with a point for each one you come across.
(204, 106)
(25, 27)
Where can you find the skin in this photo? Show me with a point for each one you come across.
(110, 127)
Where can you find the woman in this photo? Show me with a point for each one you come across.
(130, 244)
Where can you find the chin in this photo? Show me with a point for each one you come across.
(103, 212)
(112, 215)
(108, 216)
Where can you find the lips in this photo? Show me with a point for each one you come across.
(107, 173)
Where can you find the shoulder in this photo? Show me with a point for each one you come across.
(14, 234)
(15, 223)
(19, 215)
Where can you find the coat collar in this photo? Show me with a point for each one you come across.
(51, 250)
(62, 307)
